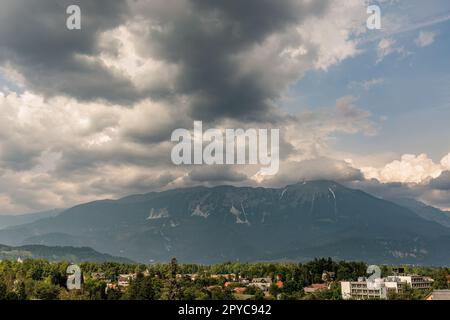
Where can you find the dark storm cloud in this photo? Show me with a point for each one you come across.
(202, 38)
(205, 37)
(35, 41)
(172, 61)
(78, 159)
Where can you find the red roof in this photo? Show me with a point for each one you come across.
(239, 290)
(214, 287)
(319, 286)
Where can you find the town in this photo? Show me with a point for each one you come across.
(320, 279)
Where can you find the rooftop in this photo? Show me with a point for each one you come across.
(440, 295)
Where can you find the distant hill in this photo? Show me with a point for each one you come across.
(208, 225)
(14, 220)
(425, 211)
(71, 254)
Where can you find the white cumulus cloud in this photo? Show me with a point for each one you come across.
(409, 169)
(425, 39)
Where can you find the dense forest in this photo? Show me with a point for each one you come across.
(41, 279)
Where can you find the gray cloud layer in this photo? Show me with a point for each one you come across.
(35, 41)
(206, 41)
(96, 107)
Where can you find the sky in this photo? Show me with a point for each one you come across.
(88, 114)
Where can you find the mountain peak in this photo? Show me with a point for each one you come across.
(316, 185)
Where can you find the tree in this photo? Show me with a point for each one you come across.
(94, 289)
(274, 290)
(46, 291)
(173, 268)
(334, 293)
(3, 290)
(174, 290)
(113, 294)
(408, 293)
(440, 280)
(221, 294)
(20, 291)
(259, 294)
(142, 288)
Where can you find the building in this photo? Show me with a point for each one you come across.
(214, 288)
(328, 276)
(146, 273)
(371, 290)
(98, 276)
(231, 283)
(230, 276)
(439, 295)
(380, 288)
(110, 286)
(315, 287)
(399, 271)
(192, 276)
(362, 290)
(239, 290)
(262, 283)
(417, 282)
(125, 279)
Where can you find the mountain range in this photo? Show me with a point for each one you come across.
(425, 211)
(225, 223)
(14, 220)
(70, 254)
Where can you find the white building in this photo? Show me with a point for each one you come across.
(379, 289)
(439, 295)
(125, 279)
(417, 282)
(363, 290)
(262, 283)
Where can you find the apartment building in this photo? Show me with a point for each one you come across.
(380, 288)
(363, 290)
(417, 282)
